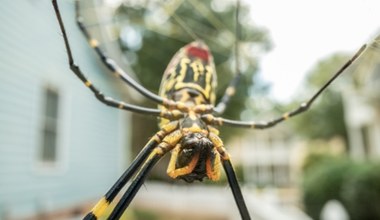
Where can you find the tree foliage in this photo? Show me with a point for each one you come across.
(323, 179)
(355, 184)
(361, 193)
(325, 119)
(152, 32)
(161, 39)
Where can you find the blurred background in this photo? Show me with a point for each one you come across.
(61, 149)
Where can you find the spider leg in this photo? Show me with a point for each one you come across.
(229, 92)
(231, 89)
(98, 94)
(232, 180)
(111, 64)
(135, 186)
(167, 144)
(174, 172)
(104, 202)
(302, 108)
(231, 176)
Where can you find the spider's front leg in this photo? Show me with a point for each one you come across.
(167, 144)
(98, 94)
(111, 65)
(210, 119)
(144, 155)
(231, 176)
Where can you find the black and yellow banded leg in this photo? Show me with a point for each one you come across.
(302, 108)
(174, 172)
(132, 190)
(105, 201)
(231, 176)
(102, 205)
(236, 191)
(98, 94)
(117, 71)
(111, 64)
(231, 89)
(165, 146)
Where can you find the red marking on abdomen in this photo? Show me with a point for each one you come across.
(199, 52)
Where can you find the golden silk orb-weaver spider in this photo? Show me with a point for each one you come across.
(189, 120)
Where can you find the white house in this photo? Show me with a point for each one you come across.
(60, 148)
(362, 105)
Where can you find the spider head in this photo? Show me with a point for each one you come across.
(194, 141)
(195, 158)
(192, 144)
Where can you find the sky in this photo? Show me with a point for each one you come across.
(303, 32)
(306, 31)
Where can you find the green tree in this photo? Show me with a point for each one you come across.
(355, 184)
(325, 119)
(361, 192)
(152, 32)
(323, 178)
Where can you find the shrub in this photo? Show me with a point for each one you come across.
(361, 193)
(323, 182)
(356, 185)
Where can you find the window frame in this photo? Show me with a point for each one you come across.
(59, 165)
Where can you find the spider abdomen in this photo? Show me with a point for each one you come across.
(190, 75)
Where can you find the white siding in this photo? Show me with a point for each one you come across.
(91, 135)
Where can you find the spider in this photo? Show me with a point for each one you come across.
(189, 120)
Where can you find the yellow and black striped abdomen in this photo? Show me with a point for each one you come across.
(190, 76)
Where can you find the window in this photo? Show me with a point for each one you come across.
(365, 131)
(375, 75)
(48, 153)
